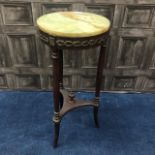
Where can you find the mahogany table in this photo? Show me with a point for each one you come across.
(55, 33)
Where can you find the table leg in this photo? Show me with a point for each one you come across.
(61, 76)
(56, 93)
(100, 66)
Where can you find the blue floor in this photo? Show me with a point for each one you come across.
(127, 125)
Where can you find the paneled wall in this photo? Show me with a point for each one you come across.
(25, 61)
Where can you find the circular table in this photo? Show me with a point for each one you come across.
(72, 30)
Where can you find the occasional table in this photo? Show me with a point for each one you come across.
(72, 30)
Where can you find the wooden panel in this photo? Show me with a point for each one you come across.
(2, 53)
(123, 83)
(105, 10)
(47, 7)
(23, 50)
(28, 81)
(17, 14)
(66, 81)
(153, 19)
(149, 58)
(25, 61)
(130, 52)
(152, 65)
(46, 55)
(67, 58)
(3, 81)
(87, 82)
(149, 84)
(90, 58)
(137, 16)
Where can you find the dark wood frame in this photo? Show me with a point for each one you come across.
(65, 101)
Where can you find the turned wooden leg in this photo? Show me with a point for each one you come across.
(61, 68)
(56, 93)
(96, 116)
(61, 76)
(100, 66)
(56, 134)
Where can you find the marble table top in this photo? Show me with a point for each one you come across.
(73, 24)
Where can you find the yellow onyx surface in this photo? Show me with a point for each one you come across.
(73, 24)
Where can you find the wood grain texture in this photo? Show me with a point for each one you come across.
(25, 61)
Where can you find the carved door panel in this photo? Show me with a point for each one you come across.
(25, 61)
